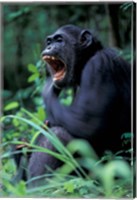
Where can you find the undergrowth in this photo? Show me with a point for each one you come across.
(108, 177)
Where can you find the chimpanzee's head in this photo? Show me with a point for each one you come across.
(66, 52)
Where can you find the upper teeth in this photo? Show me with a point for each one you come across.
(49, 57)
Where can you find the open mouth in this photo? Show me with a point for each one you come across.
(58, 67)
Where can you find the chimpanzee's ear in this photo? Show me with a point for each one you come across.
(85, 38)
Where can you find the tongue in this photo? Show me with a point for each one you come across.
(58, 75)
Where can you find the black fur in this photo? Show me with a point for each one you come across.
(100, 112)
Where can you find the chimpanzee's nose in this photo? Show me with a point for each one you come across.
(46, 51)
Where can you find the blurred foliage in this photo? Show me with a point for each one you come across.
(25, 27)
(109, 177)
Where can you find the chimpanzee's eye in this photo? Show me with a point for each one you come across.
(58, 38)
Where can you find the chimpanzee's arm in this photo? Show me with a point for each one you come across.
(89, 110)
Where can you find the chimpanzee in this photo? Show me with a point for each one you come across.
(100, 112)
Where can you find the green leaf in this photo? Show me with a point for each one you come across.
(127, 135)
(41, 114)
(67, 101)
(34, 137)
(69, 187)
(33, 77)
(32, 68)
(114, 168)
(11, 106)
(21, 188)
(16, 122)
(86, 150)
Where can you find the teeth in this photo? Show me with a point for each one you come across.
(49, 57)
(52, 58)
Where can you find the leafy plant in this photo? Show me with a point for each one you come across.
(111, 179)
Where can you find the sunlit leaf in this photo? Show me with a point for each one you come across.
(11, 106)
(33, 77)
(32, 68)
(69, 187)
(41, 114)
(86, 150)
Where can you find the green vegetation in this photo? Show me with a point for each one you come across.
(25, 27)
(112, 179)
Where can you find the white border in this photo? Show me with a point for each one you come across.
(49, 1)
(79, 1)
